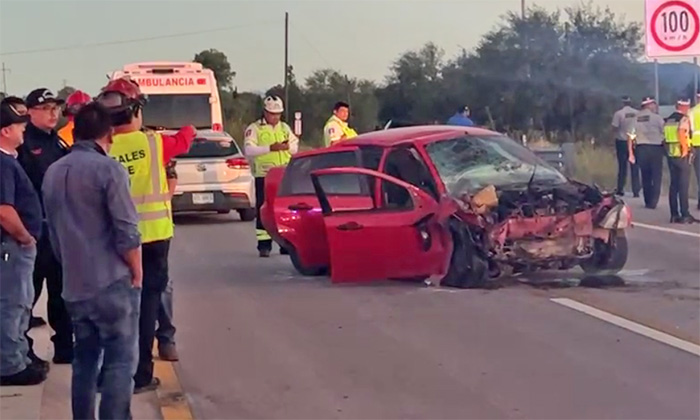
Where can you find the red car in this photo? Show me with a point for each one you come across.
(459, 205)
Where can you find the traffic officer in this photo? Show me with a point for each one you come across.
(695, 142)
(269, 142)
(337, 128)
(144, 156)
(42, 146)
(74, 102)
(622, 122)
(677, 133)
(645, 148)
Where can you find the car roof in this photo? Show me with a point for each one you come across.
(421, 134)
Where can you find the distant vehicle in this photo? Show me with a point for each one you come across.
(214, 176)
(179, 94)
(417, 202)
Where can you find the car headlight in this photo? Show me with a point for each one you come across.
(619, 217)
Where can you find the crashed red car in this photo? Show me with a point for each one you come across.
(459, 205)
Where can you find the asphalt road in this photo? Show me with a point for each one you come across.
(258, 341)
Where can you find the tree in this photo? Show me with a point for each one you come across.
(217, 62)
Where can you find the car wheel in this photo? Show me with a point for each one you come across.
(467, 269)
(247, 215)
(608, 258)
(301, 268)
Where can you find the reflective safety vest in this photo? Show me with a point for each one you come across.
(347, 131)
(66, 133)
(694, 115)
(141, 154)
(673, 145)
(269, 135)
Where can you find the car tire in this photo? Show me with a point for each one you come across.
(301, 268)
(468, 270)
(247, 215)
(608, 259)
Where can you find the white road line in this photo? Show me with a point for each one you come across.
(630, 326)
(665, 229)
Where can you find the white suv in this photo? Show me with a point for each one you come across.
(214, 176)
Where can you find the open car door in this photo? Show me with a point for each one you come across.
(397, 237)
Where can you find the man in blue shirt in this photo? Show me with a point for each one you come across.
(20, 228)
(461, 117)
(96, 239)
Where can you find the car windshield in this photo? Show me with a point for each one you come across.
(470, 163)
(176, 111)
(211, 148)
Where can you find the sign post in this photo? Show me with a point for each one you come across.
(297, 124)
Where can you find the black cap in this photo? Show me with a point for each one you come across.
(626, 99)
(9, 114)
(42, 96)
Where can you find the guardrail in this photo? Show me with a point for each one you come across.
(561, 158)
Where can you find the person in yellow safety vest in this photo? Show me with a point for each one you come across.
(695, 141)
(336, 128)
(74, 102)
(269, 142)
(676, 135)
(144, 155)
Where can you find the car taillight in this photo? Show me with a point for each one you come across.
(237, 163)
(217, 127)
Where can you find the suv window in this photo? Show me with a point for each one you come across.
(211, 148)
(297, 176)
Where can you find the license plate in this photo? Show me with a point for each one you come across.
(205, 198)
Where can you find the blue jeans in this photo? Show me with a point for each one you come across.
(16, 299)
(166, 330)
(107, 326)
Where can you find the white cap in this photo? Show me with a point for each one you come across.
(648, 100)
(274, 105)
(683, 102)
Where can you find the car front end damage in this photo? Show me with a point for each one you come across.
(557, 227)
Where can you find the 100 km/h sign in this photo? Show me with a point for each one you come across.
(672, 28)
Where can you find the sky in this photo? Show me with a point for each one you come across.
(358, 37)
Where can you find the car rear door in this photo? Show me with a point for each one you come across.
(396, 238)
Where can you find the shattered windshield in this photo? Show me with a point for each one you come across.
(470, 163)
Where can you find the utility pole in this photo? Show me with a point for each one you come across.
(656, 81)
(695, 82)
(4, 79)
(522, 8)
(286, 66)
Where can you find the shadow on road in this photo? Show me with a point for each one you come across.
(205, 219)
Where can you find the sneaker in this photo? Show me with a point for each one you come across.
(688, 220)
(168, 352)
(36, 321)
(620, 193)
(675, 219)
(264, 253)
(37, 363)
(155, 383)
(28, 376)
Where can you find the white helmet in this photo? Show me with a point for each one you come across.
(274, 105)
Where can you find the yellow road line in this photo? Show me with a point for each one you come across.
(171, 398)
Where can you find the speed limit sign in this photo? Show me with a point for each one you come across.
(672, 28)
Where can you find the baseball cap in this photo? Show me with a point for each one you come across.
(648, 100)
(9, 114)
(42, 96)
(683, 101)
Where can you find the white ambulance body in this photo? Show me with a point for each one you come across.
(179, 94)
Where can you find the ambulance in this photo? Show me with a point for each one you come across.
(179, 94)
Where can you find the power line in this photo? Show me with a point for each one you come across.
(311, 45)
(129, 41)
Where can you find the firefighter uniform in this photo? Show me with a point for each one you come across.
(259, 136)
(335, 129)
(695, 144)
(676, 132)
(648, 151)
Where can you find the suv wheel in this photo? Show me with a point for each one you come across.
(467, 269)
(247, 215)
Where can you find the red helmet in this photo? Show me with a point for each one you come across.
(121, 94)
(75, 101)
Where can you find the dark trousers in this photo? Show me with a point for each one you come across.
(622, 164)
(679, 169)
(264, 242)
(650, 159)
(155, 280)
(47, 267)
(696, 165)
